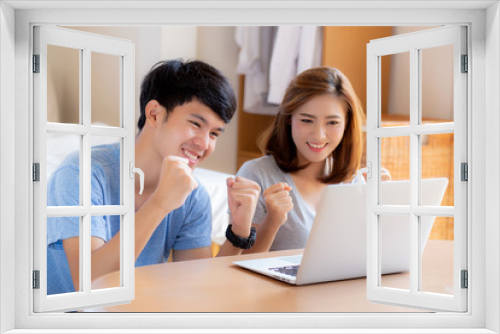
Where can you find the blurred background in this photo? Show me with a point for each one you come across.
(252, 59)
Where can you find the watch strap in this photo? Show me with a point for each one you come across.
(239, 242)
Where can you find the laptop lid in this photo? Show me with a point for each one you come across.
(336, 248)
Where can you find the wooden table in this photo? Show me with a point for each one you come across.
(216, 285)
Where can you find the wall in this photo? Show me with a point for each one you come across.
(216, 46)
(7, 168)
(147, 52)
(179, 42)
(491, 163)
(351, 57)
(437, 81)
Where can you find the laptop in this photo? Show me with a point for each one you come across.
(336, 248)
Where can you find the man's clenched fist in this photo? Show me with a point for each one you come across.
(175, 184)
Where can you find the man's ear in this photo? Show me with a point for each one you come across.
(153, 113)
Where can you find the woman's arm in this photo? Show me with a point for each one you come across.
(242, 196)
(278, 204)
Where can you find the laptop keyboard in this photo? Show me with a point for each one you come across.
(287, 270)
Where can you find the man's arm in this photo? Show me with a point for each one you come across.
(175, 184)
(278, 204)
(72, 249)
(105, 256)
(191, 254)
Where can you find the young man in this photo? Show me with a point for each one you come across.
(184, 107)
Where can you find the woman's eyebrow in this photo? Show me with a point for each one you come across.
(306, 115)
(303, 114)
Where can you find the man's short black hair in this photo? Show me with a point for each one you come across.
(175, 82)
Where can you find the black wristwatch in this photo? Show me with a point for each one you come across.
(239, 242)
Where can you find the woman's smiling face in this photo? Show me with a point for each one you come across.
(318, 128)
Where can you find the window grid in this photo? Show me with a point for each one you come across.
(87, 43)
(412, 44)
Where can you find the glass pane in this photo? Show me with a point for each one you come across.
(363, 156)
(437, 254)
(437, 84)
(63, 169)
(106, 80)
(395, 159)
(395, 94)
(59, 275)
(395, 251)
(437, 162)
(105, 228)
(63, 85)
(106, 170)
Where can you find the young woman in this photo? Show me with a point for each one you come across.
(315, 140)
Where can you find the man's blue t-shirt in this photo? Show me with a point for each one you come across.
(184, 228)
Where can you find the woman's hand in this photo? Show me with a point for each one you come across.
(278, 202)
(384, 175)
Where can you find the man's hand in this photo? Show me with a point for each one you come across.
(175, 184)
(242, 196)
(278, 202)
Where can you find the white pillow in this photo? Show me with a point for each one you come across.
(60, 145)
(215, 183)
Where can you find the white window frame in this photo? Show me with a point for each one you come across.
(414, 44)
(484, 214)
(86, 44)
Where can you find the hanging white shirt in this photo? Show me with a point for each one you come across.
(295, 50)
(255, 52)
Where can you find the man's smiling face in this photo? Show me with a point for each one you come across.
(190, 131)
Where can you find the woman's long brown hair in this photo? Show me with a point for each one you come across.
(277, 139)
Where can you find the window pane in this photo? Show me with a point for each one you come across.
(106, 170)
(437, 255)
(106, 78)
(395, 158)
(437, 162)
(105, 228)
(63, 169)
(59, 276)
(63, 85)
(437, 84)
(395, 94)
(395, 251)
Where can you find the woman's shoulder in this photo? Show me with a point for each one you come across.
(263, 167)
(265, 163)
